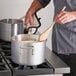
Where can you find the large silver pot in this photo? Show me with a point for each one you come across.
(10, 27)
(27, 50)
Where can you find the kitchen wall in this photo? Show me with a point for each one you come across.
(13, 8)
(46, 15)
(18, 8)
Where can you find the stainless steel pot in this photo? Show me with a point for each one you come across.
(27, 50)
(10, 27)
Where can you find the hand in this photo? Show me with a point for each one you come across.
(29, 19)
(65, 17)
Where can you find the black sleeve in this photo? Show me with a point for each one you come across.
(44, 2)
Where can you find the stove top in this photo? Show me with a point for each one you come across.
(4, 68)
(13, 69)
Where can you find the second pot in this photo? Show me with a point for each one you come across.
(10, 27)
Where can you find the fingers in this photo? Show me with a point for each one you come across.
(61, 17)
(29, 19)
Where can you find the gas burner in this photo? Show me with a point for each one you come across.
(2, 68)
(15, 66)
(11, 63)
(41, 66)
(7, 53)
(3, 65)
(22, 70)
(5, 45)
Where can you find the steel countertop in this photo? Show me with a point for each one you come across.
(59, 66)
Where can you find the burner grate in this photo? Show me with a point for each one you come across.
(5, 45)
(4, 69)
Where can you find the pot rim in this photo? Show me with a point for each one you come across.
(10, 21)
(34, 40)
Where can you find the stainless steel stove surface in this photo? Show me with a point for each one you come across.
(8, 66)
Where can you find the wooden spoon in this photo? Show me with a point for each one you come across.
(45, 34)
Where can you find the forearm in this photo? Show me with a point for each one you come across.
(35, 6)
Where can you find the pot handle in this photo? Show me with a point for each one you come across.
(27, 29)
(37, 20)
(28, 47)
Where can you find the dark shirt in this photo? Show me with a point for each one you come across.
(44, 2)
(63, 36)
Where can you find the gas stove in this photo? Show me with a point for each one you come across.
(4, 69)
(9, 68)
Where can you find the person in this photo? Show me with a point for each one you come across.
(64, 30)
